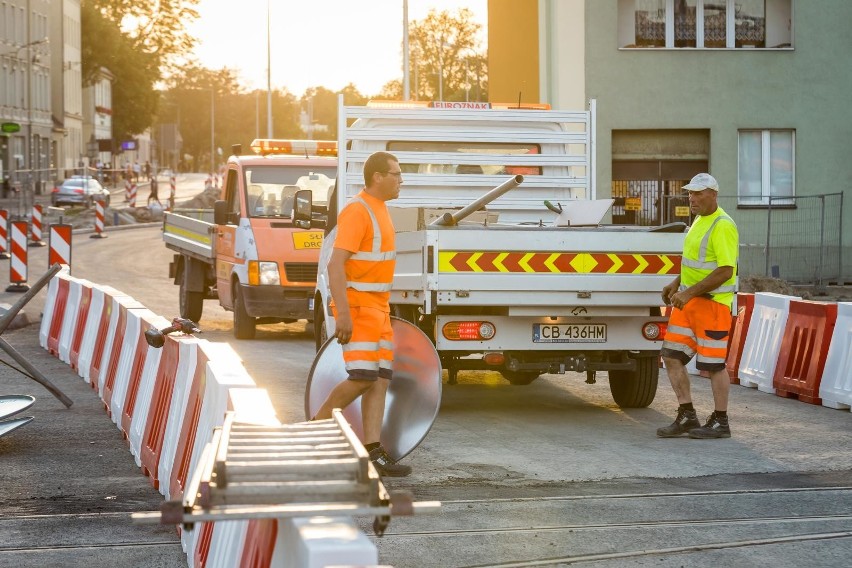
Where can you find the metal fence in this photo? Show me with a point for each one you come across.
(797, 239)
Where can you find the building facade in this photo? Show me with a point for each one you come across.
(754, 91)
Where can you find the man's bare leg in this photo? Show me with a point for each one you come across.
(721, 383)
(342, 396)
(679, 379)
(373, 410)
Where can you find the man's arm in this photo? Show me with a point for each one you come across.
(712, 281)
(670, 290)
(337, 286)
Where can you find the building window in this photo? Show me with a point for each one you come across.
(705, 24)
(766, 167)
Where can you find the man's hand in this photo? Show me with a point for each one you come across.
(669, 291)
(680, 299)
(343, 327)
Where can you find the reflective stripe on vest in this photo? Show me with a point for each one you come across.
(703, 264)
(374, 255)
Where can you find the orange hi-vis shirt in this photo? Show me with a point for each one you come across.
(364, 228)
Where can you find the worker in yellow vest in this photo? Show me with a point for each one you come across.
(700, 321)
(360, 274)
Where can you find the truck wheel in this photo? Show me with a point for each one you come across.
(191, 304)
(635, 389)
(520, 377)
(320, 329)
(244, 325)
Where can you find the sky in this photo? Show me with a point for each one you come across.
(328, 43)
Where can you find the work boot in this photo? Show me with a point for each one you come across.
(716, 427)
(685, 421)
(386, 466)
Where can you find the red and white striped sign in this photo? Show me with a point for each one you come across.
(127, 190)
(18, 245)
(4, 233)
(99, 217)
(36, 232)
(60, 245)
(132, 195)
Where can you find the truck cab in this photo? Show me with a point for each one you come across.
(260, 265)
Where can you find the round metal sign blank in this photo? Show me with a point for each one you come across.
(413, 398)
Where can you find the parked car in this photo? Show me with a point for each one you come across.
(80, 190)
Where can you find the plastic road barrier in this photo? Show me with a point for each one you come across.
(766, 330)
(835, 388)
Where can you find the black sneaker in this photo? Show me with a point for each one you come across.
(686, 420)
(716, 427)
(386, 466)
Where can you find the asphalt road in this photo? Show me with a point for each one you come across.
(544, 475)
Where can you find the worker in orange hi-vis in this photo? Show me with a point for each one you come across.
(360, 274)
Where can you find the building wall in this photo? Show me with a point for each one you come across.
(702, 97)
(513, 57)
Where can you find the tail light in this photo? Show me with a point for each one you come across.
(78, 190)
(654, 331)
(469, 330)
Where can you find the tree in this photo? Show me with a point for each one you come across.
(136, 41)
(444, 59)
(323, 105)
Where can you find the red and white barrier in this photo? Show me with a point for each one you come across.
(745, 306)
(142, 354)
(99, 221)
(132, 197)
(168, 401)
(835, 388)
(37, 224)
(766, 330)
(127, 190)
(801, 359)
(4, 233)
(18, 263)
(134, 348)
(110, 372)
(59, 239)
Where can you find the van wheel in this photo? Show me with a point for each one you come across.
(635, 389)
(245, 326)
(520, 377)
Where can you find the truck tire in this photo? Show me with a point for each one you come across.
(520, 378)
(245, 326)
(635, 389)
(191, 304)
(320, 329)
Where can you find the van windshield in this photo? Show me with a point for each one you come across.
(270, 189)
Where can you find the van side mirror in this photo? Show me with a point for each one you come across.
(220, 212)
(302, 209)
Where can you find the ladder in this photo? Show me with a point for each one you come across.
(317, 468)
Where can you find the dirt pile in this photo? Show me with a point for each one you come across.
(767, 284)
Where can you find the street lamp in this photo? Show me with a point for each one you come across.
(268, 75)
(212, 130)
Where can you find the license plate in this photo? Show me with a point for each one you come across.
(307, 240)
(569, 333)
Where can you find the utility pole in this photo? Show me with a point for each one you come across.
(212, 130)
(406, 90)
(268, 74)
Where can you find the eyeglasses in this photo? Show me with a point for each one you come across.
(397, 174)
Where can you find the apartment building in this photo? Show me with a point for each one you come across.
(754, 91)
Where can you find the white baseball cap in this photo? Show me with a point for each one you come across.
(701, 182)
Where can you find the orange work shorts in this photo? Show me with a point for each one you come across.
(369, 353)
(701, 328)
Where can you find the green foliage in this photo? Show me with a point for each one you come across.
(239, 116)
(321, 105)
(444, 59)
(135, 41)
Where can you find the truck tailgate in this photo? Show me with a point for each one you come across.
(523, 267)
(192, 236)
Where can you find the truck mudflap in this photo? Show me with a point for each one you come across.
(278, 302)
(474, 334)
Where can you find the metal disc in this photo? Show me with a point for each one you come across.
(14, 403)
(413, 398)
(7, 426)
